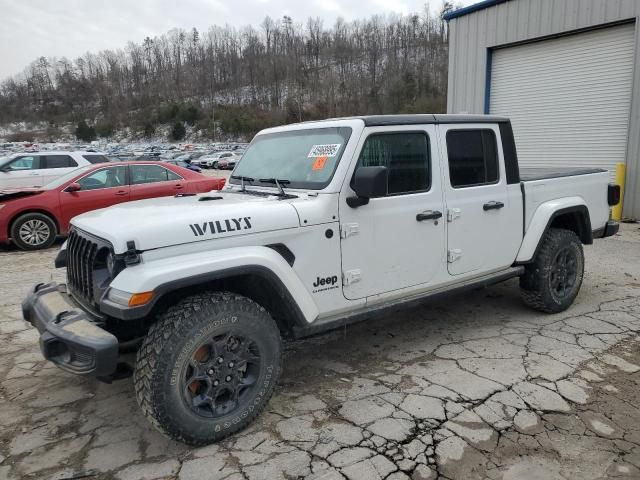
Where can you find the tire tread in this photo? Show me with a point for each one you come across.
(532, 284)
(179, 318)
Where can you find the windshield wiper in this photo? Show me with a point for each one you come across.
(278, 183)
(242, 180)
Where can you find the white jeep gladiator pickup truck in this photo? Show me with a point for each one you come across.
(323, 223)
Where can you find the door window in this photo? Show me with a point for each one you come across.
(60, 161)
(23, 163)
(105, 178)
(95, 158)
(406, 156)
(150, 174)
(473, 157)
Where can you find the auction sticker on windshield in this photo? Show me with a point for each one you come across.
(329, 150)
(319, 163)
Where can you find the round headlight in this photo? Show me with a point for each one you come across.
(111, 263)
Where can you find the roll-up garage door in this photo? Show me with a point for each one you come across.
(569, 98)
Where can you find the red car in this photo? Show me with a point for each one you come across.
(33, 217)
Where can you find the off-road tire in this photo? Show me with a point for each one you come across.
(536, 283)
(36, 219)
(171, 343)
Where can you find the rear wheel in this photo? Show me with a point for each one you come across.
(552, 281)
(208, 367)
(33, 231)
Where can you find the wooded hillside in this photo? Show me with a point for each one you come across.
(243, 79)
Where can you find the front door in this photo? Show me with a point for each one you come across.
(479, 227)
(23, 171)
(397, 241)
(99, 189)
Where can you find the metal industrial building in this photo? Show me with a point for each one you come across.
(566, 73)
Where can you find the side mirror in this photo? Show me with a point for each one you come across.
(368, 182)
(74, 187)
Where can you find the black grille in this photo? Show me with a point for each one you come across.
(81, 258)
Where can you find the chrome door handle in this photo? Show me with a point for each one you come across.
(428, 215)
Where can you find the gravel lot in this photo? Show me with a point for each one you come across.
(470, 386)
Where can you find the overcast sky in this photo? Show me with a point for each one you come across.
(56, 28)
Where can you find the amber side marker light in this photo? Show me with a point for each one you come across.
(138, 299)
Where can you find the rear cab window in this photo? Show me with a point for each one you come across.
(473, 157)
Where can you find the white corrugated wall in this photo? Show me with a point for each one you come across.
(569, 98)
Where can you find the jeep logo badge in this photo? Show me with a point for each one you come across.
(325, 283)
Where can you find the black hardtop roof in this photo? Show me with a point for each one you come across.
(421, 119)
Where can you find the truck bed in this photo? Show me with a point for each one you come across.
(543, 173)
(586, 186)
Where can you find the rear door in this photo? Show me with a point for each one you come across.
(22, 171)
(397, 241)
(98, 189)
(481, 235)
(55, 166)
(150, 181)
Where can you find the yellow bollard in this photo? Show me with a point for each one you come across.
(616, 212)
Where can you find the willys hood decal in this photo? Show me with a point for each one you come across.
(167, 221)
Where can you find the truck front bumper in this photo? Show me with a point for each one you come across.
(69, 337)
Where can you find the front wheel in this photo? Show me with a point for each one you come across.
(208, 367)
(552, 281)
(33, 231)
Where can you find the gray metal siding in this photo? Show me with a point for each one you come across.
(568, 97)
(471, 36)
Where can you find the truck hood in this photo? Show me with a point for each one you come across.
(162, 222)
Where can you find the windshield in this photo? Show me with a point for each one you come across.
(58, 182)
(4, 160)
(307, 158)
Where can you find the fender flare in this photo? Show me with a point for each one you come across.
(167, 275)
(542, 219)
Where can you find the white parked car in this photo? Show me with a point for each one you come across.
(35, 169)
(211, 161)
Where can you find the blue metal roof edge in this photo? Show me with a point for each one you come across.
(471, 8)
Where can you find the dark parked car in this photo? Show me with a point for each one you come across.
(185, 164)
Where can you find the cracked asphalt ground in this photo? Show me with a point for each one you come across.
(469, 386)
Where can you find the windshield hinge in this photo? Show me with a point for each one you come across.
(131, 256)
